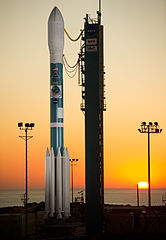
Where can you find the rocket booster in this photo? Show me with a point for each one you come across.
(57, 174)
(56, 45)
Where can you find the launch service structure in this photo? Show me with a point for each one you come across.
(57, 167)
(93, 105)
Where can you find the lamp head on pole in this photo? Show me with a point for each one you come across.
(27, 126)
(151, 127)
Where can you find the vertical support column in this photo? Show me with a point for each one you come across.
(94, 128)
(137, 195)
(101, 104)
(149, 186)
(26, 191)
(72, 179)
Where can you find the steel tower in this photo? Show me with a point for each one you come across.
(92, 82)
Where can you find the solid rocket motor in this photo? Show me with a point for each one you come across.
(57, 175)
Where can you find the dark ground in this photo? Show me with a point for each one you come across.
(120, 222)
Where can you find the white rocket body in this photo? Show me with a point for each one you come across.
(59, 176)
(57, 202)
(52, 184)
(68, 183)
(56, 36)
(47, 183)
(57, 171)
(64, 193)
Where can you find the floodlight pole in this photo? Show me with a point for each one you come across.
(72, 178)
(72, 160)
(26, 191)
(137, 195)
(26, 138)
(149, 185)
(149, 128)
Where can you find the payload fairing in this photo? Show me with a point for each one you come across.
(57, 171)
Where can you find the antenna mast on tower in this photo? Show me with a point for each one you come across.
(99, 13)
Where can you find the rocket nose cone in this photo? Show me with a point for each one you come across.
(56, 35)
(55, 16)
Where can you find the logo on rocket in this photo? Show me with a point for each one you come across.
(56, 91)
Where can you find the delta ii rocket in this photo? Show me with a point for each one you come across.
(57, 167)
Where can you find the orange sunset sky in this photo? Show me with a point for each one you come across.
(135, 66)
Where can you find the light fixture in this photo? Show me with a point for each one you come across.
(28, 126)
(20, 124)
(149, 128)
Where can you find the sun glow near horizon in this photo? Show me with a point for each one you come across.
(143, 185)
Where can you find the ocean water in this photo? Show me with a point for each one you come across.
(111, 196)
